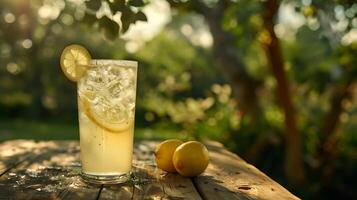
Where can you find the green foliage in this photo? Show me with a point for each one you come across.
(171, 83)
(181, 92)
(130, 13)
(109, 27)
(93, 5)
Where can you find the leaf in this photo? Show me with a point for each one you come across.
(94, 4)
(109, 27)
(140, 16)
(89, 19)
(136, 3)
(127, 18)
(117, 5)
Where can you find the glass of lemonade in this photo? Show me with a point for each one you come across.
(106, 109)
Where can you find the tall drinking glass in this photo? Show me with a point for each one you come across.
(106, 106)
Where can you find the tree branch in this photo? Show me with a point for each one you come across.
(294, 168)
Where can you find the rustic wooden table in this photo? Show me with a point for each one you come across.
(50, 170)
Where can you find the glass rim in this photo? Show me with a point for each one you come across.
(118, 63)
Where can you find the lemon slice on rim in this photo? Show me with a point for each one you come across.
(102, 119)
(75, 61)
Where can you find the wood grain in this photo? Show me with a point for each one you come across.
(149, 182)
(14, 152)
(50, 170)
(230, 177)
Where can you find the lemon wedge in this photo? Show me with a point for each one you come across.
(104, 118)
(74, 61)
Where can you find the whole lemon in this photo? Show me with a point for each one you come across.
(164, 152)
(190, 158)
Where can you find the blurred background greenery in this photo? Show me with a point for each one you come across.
(274, 81)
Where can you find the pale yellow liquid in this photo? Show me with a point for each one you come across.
(106, 101)
(104, 152)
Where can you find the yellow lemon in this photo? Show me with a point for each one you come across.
(191, 158)
(164, 152)
(74, 61)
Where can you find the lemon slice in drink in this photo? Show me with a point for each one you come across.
(105, 118)
(75, 61)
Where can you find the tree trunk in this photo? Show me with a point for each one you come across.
(233, 69)
(332, 116)
(294, 167)
(328, 148)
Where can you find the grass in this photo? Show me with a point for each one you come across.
(36, 130)
(41, 130)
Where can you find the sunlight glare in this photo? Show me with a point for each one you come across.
(186, 29)
(67, 19)
(158, 14)
(131, 46)
(350, 37)
(12, 68)
(9, 18)
(27, 43)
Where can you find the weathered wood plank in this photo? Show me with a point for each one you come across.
(50, 170)
(19, 182)
(162, 185)
(14, 152)
(230, 177)
(116, 192)
(149, 182)
(156, 184)
(50, 173)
